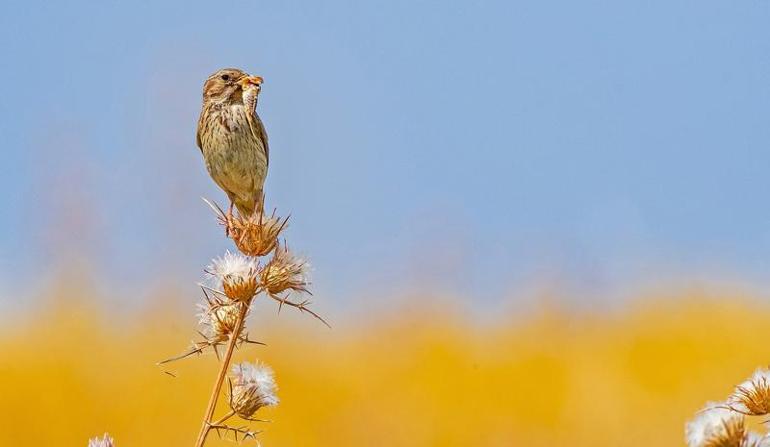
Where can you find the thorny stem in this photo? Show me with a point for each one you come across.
(224, 365)
(301, 306)
(224, 418)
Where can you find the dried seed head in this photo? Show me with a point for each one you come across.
(106, 441)
(220, 319)
(752, 397)
(237, 274)
(253, 387)
(284, 272)
(255, 235)
(754, 439)
(717, 426)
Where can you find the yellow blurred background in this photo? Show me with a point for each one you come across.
(423, 375)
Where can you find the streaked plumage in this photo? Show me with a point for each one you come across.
(232, 138)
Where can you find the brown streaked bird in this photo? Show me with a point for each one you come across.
(232, 138)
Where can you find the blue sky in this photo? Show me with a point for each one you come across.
(473, 148)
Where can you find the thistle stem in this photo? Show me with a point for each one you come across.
(224, 418)
(224, 365)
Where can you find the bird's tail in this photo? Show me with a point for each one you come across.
(245, 209)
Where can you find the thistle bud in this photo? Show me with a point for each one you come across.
(237, 274)
(255, 235)
(284, 272)
(717, 425)
(220, 319)
(752, 397)
(253, 387)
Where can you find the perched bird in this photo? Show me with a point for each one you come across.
(232, 138)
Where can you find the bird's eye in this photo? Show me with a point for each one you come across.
(225, 77)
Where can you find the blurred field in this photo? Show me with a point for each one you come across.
(411, 378)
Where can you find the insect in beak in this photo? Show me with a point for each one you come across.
(248, 81)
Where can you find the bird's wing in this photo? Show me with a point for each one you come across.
(261, 134)
(198, 133)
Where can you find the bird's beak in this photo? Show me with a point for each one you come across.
(251, 80)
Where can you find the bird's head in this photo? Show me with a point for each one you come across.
(228, 84)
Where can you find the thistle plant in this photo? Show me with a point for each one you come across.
(235, 281)
(105, 441)
(724, 424)
(752, 397)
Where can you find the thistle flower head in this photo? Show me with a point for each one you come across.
(238, 275)
(717, 426)
(754, 439)
(255, 235)
(752, 397)
(106, 441)
(284, 272)
(253, 387)
(220, 318)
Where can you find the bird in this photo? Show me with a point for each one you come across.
(233, 139)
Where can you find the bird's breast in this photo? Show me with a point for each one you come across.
(228, 129)
(235, 157)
